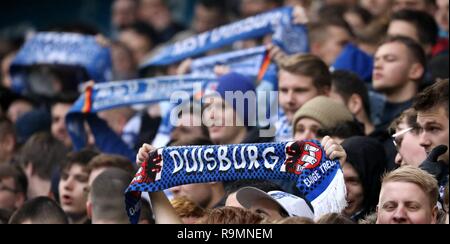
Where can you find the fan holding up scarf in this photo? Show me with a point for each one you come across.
(314, 167)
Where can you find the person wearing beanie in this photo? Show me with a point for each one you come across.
(319, 113)
(231, 120)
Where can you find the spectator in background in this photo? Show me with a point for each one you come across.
(442, 17)
(102, 162)
(41, 210)
(231, 216)
(228, 122)
(40, 158)
(188, 211)
(405, 132)
(60, 108)
(357, 17)
(19, 107)
(274, 205)
(125, 122)
(428, 6)
(400, 65)
(106, 204)
(124, 66)
(73, 185)
(124, 13)
(233, 188)
(348, 89)
(378, 8)
(140, 39)
(432, 108)
(417, 25)
(328, 38)
(335, 219)
(8, 140)
(156, 13)
(13, 187)
(253, 7)
(209, 14)
(301, 78)
(408, 196)
(365, 165)
(319, 113)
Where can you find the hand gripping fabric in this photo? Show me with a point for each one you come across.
(319, 179)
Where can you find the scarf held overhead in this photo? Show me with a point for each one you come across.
(106, 96)
(319, 179)
(291, 37)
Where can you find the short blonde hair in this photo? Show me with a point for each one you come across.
(422, 179)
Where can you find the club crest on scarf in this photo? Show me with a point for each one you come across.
(150, 172)
(300, 156)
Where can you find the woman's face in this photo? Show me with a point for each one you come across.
(355, 191)
(306, 129)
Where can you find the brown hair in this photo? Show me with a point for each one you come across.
(17, 174)
(111, 161)
(310, 66)
(45, 153)
(410, 116)
(432, 97)
(422, 179)
(231, 215)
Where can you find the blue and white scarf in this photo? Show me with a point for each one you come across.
(291, 37)
(61, 50)
(106, 96)
(319, 179)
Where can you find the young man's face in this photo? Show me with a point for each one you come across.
(306, 129)
(409, 150)
(9, 197)
(377, 7)
(59, 131)
(420, 5)
(295, 91)
(434, 130)
(403, 28)
(206, 19)
(189, 125)
(222, 121)
(332, 47)
(405, 203)
(355, 190)
(392, 67)
(72, 190)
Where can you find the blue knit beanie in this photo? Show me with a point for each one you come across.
(234, 82)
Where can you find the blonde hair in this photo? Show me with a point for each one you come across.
(310, 66)
(185, 208)
(422, 179)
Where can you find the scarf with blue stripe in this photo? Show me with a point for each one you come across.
(61, 50)
(319, 179)
(106, 96)
(290, 37)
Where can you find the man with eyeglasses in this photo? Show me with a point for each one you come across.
(13, 187)
(406, 140)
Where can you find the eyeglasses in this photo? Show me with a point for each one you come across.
(398, 137)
